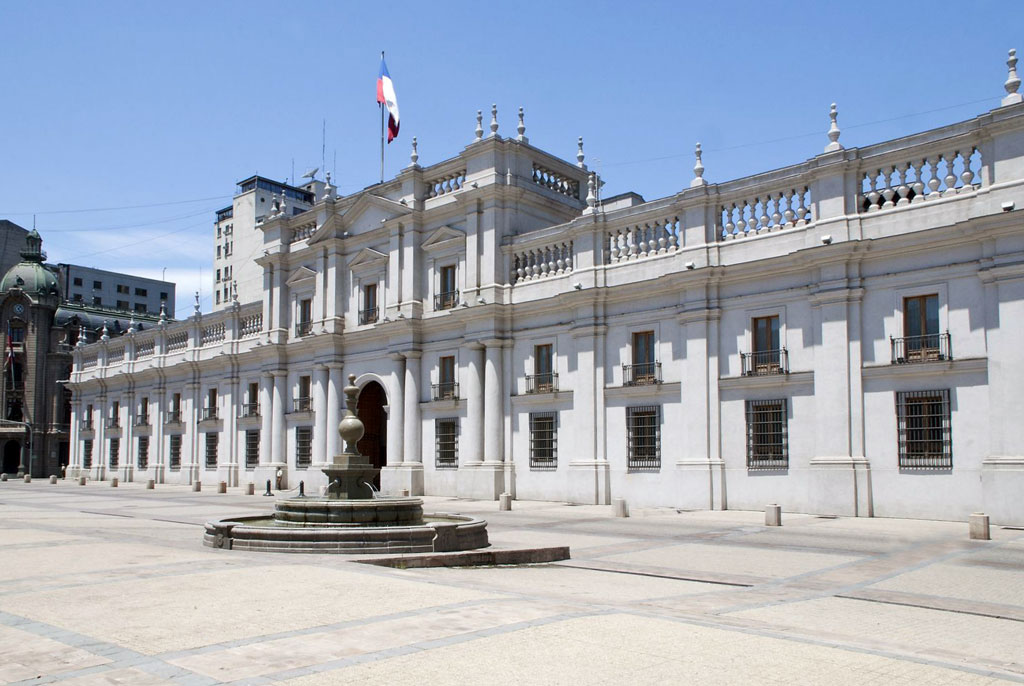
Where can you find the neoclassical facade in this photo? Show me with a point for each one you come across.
(840, 336)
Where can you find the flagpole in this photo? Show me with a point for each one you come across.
(382, 125)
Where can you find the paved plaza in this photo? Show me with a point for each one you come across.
(102, 585)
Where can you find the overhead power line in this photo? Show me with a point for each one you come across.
(114, 209)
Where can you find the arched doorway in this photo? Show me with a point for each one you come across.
(12, 457)
(374, 443)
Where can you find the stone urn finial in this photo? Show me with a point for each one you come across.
(350, 427)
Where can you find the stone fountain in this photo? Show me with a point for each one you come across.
(351, 517)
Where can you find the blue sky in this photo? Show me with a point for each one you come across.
(167, 105)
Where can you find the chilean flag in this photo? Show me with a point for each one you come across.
(386, 97)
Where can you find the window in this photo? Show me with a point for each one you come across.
(217, 279)
(923, 423)
(17, 334)
(218, 297)
(303, 446)
(368, 314)
(767, 434)
(252, 449)
(115, 448)
(252, 406)
(447, 296)
(140, 307)
(446, 444)
(921, 340)
(143, 417)
(446, 388)
(97, 285)
(305, 323)
(542, 380)
(87, 453)
(218, 251)
(767, 355)
(211, 449)
(77, 281)
(97, 300)
(175, 414)
(644, 370)
(163, 295)
(142, 453)
(141, 292)
(88, 420)
(543, 440)
(175, 452)
(302, 400)
(210, 411)
(122, 304)
(643, 427)
(115, 415)
(77, 297)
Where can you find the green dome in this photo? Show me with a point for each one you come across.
(30, 275)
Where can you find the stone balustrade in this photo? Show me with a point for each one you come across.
(655, 237)
(446, 183)
(214, 333)
(145, 348)
(538, 263)
(913, 178)
(552, 180)
(250, 325)
(771, 211)
(177, 341)
(303, 231)
(115, 353)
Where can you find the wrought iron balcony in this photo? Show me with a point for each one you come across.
(87, 426)
(142, 419)
(302, 404)
(446, 301)
(250, 410)
(541, 383)
(209, 413)
(113, 423)
(446, 390)
(765, 362)
(643, 374)
(933, 347)
(174, 417)
(303, 328)
(368, 316)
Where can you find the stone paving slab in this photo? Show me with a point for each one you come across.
(25, 656)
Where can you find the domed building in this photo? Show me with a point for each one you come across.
(39, 330)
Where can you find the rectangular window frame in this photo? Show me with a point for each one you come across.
(643, 438)
(543, 441)
(924, 440)
(174, 452)
(212, 442)
(87, 453)
(252, 448)
(114, 453)
(303, 447)
(142, 452)
(446, 443)
(767, 428)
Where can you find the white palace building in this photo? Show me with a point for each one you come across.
(841, 336)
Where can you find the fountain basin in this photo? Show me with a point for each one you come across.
(439, 532)
(326, 511)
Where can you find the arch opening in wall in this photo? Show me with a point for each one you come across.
(374, 443)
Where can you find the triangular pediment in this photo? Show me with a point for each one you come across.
(367, 258)
(443, 237)
(299, 275)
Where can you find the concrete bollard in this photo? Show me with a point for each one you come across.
(53, 478)
(404, 493)
(197, 486)
(28, 478)
(222, 487)
(268, 488)
(250, 489)
(978, 526)
(505, 502)
(3, 477)
(620, 508)
(151, 484)
(773, 515)
(81, 481)
(113, 482)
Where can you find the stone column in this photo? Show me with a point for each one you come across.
(396, 411)
(494, 424)
(128, 450)
(413, 429)
(231, 407)
(266, 417)
(279, 434)
(319, 415)
(472, 387)
(335, 384)
(75, 443)
(157, 417)
(99, 445)
(698, 465)
(190, 448)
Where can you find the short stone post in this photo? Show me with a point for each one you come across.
(113, 482)
(404, 493)
(197, 486)
(28, 478)
(3, 477)
(773, 515)
(250, 489)
(978, 526)
(505, 502)
(53, 478)
(222, 487)
(151, 484)
(81, 480)
(620, 508)
(268, 488)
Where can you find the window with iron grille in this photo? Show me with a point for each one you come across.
(142, 455)
(87, 453)
(252, 448)
(115, 448)
(446, 443)
(211, 449)
(543, 440)
(767, 434)
(303, 446)
(174, 458)
(923, 423)
(643, 428)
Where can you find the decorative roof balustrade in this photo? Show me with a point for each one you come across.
(538, 263)
(177, 341)
(250, 325)
(446, 183)
(773, 210)
(115, 354)
(559, 183)
(145, 347)
(214, 333)
(646, 239)
(919, 174)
